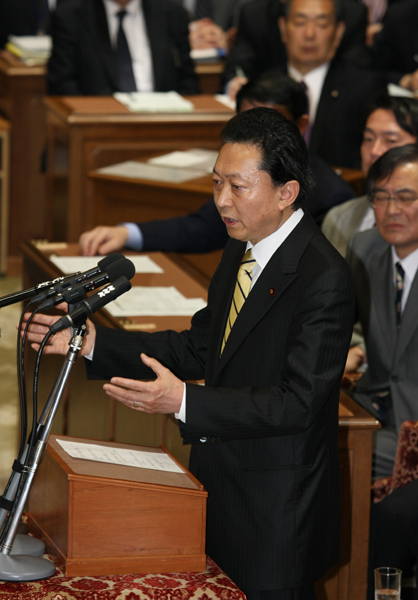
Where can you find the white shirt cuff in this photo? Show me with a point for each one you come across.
(181, 415)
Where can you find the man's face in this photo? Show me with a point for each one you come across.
(310, 33)
(381, 133)
(249, 205)
(398, 225)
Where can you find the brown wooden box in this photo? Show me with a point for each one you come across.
(103, 519)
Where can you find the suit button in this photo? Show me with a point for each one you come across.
(203, 440)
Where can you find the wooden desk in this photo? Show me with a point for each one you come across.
(22, 89)
(100, 131)
(117, 199)
(89, 414)
(209, 76)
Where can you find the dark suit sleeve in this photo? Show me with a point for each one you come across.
(386, 49)
(201, 231)
(179, 34)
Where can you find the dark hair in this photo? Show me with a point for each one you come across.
(404, 109)
(388, 162)
(337, 9)
(284, 155)
(274, 87)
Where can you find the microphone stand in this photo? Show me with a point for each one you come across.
(24, 567)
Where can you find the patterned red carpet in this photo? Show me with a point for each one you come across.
(213, 583)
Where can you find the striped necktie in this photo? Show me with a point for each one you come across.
(124, 61)
(242, 289)
(399, 276)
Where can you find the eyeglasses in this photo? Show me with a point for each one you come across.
(402, 200)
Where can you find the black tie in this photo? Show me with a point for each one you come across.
(204, 9)
(400, 274)
(124, 61)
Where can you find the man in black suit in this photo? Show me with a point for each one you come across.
(264, 428)
(338, 92)
(84, 57)
(203, 230)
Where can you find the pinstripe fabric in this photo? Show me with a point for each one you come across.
(242, 289)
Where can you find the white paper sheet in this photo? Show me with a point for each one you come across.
(73, 264)
(226, 101)
(154, 102)
(397, 90)
(154, 302)
(195, 158)
(120, 456)
(138, 170)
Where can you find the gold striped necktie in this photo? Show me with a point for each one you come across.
(242, 289)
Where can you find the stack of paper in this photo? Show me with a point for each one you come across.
(155, 302)
(155, 102)
(31, 49)
(132, 169)
(195, 158)
(73, 264)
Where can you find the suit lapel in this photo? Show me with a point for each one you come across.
(156, 39)
(100, 31)
(382, 279)
(409, 321)
(276, 277)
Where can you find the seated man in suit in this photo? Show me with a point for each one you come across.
(271, 344)
(395, 48)
(391, 122)
(104, 46)
(384, 263)
(203, 230)
(338, 92)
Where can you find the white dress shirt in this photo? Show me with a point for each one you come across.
(314, 81)
(262, 252)
(137, 38)
(410, 266)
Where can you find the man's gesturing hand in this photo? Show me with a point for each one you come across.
(164, 395)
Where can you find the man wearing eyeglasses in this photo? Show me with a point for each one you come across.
(384, 262)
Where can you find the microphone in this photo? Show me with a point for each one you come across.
(72, 295)
(79, 314)
(59, 283)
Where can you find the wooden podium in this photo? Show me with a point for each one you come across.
(105, 519)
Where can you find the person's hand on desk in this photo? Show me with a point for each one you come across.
(235, 85)
(103, 240)
(205, 34)
(355, 359)
(163, 396)
(58, 343)
(410, 81)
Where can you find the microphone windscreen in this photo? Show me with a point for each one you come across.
(108, 260)
(122, 267)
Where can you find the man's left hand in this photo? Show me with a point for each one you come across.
(164, 395)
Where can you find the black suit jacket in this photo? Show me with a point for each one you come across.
(337, 132)
(258, 46)
(264, 428)
(395, 48)
(19, 17)
(204, 230)
(83, 63)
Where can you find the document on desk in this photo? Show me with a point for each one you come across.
(195, 158)
(155, 302)
(73, 264)
(132, 169)
(154, 102)
(158, 461)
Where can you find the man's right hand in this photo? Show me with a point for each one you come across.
(58, 343)
(103, 240)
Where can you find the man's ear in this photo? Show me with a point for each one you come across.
(302, 122)
(288, 194)
(282, 28)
